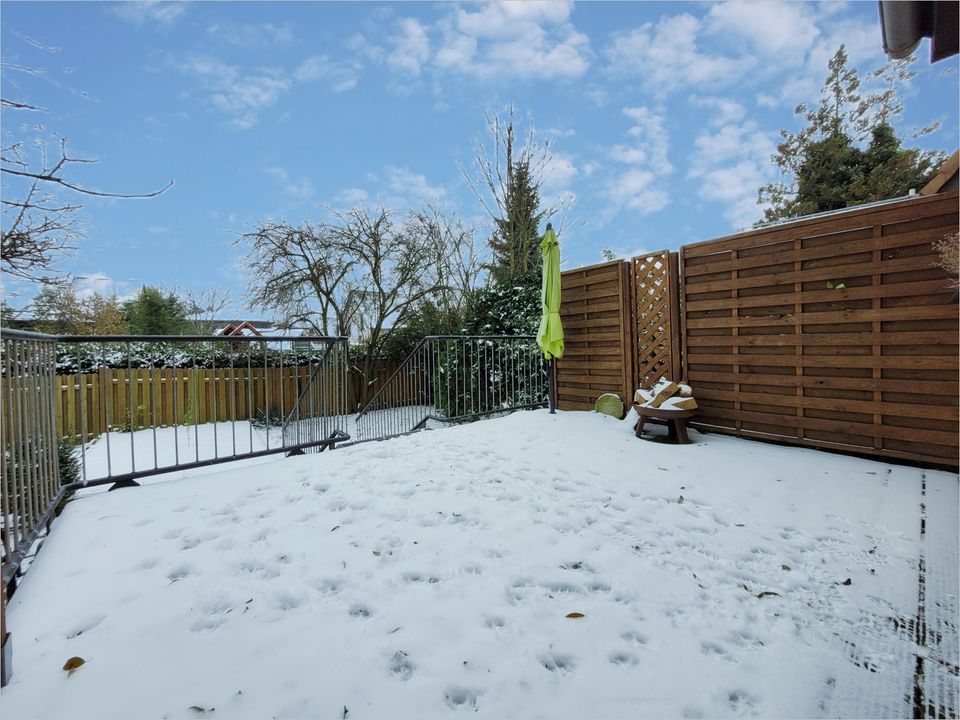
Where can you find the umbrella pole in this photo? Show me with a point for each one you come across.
(552, 379)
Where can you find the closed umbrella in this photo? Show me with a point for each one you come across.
(550, 334)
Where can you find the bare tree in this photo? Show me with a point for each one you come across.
(361, 275)
(203, 307)
(459, 266)
(39, 228)
(509, 173)
(299, 273)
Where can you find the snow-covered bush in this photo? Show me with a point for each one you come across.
(91, 357)
(504, 310)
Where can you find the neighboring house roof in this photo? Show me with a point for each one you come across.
(904, 23)
(243, 328)
(946, 179)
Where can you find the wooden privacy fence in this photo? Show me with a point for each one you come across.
(621, 328)
(160, 397)
(144, 398)
(598, 341)
(836, 332)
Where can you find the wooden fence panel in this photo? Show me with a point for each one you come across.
(597, 326)
(87, 404)
(656, 318)
(837, 332)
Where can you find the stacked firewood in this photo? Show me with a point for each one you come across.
(666, 395)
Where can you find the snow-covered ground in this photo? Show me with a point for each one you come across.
(435, 574)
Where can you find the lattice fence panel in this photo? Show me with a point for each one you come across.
(655, 315)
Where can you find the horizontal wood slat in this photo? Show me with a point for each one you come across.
(595, 313)
(910, 210)
(772, 350)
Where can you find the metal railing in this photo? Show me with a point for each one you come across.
(453, 378)
(80, 411)
(31, 488)
(140, 406)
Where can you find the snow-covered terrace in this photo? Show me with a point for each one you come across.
(435, 574)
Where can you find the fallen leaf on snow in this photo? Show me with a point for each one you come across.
(768, 593)
(72, 664)
(575, 615)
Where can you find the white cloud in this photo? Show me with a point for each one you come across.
(666, 56)
(638, 190)
(145, 12)
(239, 95)
(499, 40)
(783, 31)
(513, 39)
(651, 140)
(731, 163)
(406, 183)
(394, 187)
(411, 47)
(512, 19)
(722, 110)
(295, 188)
(353, 197)
(559, 171)
(339, 76)
(558, 175)
(457, 51)
(252, 35)
(640, 187)
(803, 83)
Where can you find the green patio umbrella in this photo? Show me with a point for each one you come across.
(550, 334)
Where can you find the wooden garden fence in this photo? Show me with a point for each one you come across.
(598, 340)
(162, 397)
(836, 331)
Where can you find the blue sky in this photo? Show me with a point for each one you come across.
(661, 116)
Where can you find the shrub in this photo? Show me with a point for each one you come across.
(68, 461)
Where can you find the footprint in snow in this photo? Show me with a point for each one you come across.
(741, 702)
(558, 662)
(624, 659)
(634, 638)
(494, 622)
(360, 610)
(462, 698)
(401, 665)
(563, 587)
(714, 650)
(207, 623)
(192, 541)
(179, 572)
(87, 626)
(257, 568)
(287, 601)
(263, 534)
(327, 586)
